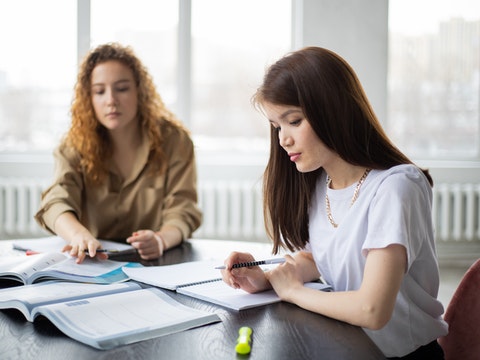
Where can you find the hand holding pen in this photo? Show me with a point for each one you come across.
(81, 247)
(240, 272)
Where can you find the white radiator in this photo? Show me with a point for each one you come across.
(233, 210)
(456, 212)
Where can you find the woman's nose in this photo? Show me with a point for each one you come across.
(111, 100)
(285, 139)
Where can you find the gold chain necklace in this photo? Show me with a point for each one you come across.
(354, 197)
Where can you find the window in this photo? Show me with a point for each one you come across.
(150, 28)
(231, 44)
(229, 56)
(37, 72)
(434, 78)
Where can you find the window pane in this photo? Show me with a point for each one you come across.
(232, 44)
(37, 72)
(150, 28)
(434, 72)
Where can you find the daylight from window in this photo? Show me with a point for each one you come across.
(38, 69)
(434, 78)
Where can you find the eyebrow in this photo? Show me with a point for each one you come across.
(288, 112)
(115, 83)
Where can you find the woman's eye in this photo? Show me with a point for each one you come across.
(122, 89)
(295, 122)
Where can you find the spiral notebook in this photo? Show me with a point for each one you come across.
(200, 279)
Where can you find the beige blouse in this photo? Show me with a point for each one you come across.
(118, 207)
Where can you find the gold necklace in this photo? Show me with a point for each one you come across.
(354, 197)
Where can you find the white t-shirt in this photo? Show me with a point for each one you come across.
(393, 207)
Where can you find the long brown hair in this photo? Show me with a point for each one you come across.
(330, 95)
(90, 138)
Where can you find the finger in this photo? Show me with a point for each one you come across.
(80, 257)
(92, 250)
(73, 250)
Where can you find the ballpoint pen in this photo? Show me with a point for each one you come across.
(103, 251)
(254, 263)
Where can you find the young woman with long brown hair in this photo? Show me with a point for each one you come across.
(354, 209)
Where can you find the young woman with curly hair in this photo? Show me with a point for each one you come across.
(125, 170)
(351, 205)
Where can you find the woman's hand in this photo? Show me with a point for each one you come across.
(251, 279)
(286, 278)
(149, 244)
(82, 244)
(80, 240)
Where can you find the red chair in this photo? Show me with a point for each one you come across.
(463, 318)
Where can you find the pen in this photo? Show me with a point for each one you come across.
(254, 263)
(103, 251)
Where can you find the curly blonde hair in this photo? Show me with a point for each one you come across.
(90, 138)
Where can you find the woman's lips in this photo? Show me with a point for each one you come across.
(294, 156)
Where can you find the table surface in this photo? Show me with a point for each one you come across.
(280, 331)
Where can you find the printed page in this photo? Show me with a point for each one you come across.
(25, 298)
(91, 270)
(108, 321)
(25, 267)
(173, 276)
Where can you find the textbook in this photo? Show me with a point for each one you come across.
(105, 316)
(200, 279)
(59, 266)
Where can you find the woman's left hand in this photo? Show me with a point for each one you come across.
(286, 278)
(149, 244)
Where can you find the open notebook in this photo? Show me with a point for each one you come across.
(200, 279)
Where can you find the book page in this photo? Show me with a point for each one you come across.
(111, 320)
(177, 275)
(26, 266)
(25, 298)
(90, 267)
(51, 292)
(91, 270)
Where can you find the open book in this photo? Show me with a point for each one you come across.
(199, 279)
(58, 266)
(104, 316)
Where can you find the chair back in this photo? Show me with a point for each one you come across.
(463, 318)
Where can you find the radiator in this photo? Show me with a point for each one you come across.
(233, 210)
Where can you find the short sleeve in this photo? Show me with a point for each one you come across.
(400, 213)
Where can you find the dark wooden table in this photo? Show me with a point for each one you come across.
(280, 331)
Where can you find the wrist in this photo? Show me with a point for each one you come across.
(160, 240)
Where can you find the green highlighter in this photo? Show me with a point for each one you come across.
(244, 340)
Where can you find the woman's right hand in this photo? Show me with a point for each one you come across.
(78, 237)
(82, 245)
(251, 279)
